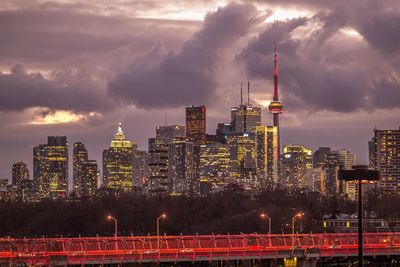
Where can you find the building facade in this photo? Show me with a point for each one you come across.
(50, 167)
(384, 155)
(295, 161)
(117, 163)
(267, 156)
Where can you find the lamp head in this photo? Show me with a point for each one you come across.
(163, 215)
(263, 215)
(109, 217)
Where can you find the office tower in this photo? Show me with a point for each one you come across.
(181, 166)
(117, 163)
(158, 165)
(384, 155)
(276, 107)
(196, 124)
(170, 131)
(332, 165)
(84, 172)
(4, 189)
(320, 155)
(79, 156)
(245, 117)
(141, 171)
(242, 146)
(196, 132)
(89, 174)
(50, 167)
(267, 156)
(215, 167)
(295, 160)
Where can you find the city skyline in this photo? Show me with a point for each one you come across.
(322, 101)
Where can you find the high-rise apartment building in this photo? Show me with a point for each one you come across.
(158, 165)
(384, 155)
(79, 156)
(295, 160)
(181, 166)
(267, 156)
(117, 163)
(50, 167)
(19, 173)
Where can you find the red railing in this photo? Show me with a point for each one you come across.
(102, 250)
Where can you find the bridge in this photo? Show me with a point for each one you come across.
(306, 249)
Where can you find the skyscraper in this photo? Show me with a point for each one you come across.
(79, 156)
(295, 160)
(245, 117)
(20, 178)
(84, 171)
(215, 167)
(141, 171)
(181, 166)
(50, 167)
(158, 165)
(170, 131)
(196, 124)
(19, 173)
(117, 163)
(276, 106)
(242, 146)
(384, 155)
(267, 158)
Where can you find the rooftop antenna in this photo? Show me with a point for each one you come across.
(248, 93)
(241, 94)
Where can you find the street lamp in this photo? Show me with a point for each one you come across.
(298, 215)
(109, 217)
(359, 173)
(265, 216)
(163, 215)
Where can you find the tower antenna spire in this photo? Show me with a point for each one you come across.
(241, 94)
(276, 97)
(248, 92)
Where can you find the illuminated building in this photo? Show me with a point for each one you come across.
(330, 161)
(196, 132)
(84, 171)
(158, 165)
(384, 155)
(245, 117)
(141, 171)
(222, 130)
(117, 163)
(242, 146)
(196, 124)
(295, 160)
(315, 180)
(50, 167)
(170, 131)
(20, 175)
(267, 156)
(215, 167)
(276, 108)
(181, 166)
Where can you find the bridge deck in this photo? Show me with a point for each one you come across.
(100, 250)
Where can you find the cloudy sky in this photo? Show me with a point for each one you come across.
(77, 68)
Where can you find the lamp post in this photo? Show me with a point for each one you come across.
(298, 215)
(265, 216)
(163, 215)
(360, 173)
(109, 217)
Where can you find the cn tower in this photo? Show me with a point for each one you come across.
(276, 108)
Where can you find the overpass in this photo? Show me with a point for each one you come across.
(307, 249)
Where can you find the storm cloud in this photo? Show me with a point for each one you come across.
(189, 76)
